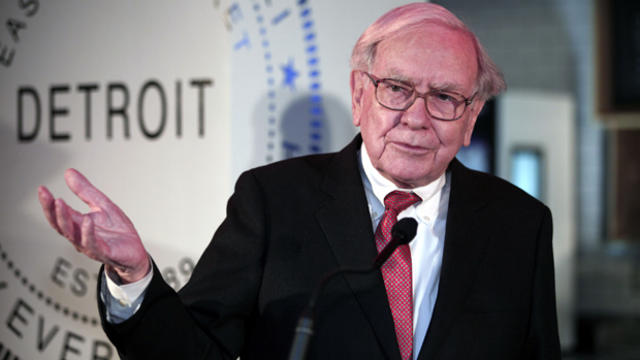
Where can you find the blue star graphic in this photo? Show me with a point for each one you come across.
(289, 75)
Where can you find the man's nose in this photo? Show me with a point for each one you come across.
(416, 116)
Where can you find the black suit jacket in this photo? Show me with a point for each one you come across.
(291, 222)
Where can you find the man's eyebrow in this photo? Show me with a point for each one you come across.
(396, 74)
(445, 86)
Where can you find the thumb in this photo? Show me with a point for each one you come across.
(88, 193)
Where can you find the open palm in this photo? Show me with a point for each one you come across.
(105, 233)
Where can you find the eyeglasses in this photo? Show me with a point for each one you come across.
(398, 95)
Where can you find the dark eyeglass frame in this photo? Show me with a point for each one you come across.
(466, 101)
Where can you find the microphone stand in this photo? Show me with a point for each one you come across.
(402, 233)
(304, 329)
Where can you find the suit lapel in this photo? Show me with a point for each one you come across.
(464, 249)
(346, 223)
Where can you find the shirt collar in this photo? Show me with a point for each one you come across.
(381, 186)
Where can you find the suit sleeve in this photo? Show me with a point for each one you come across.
(543, 342)
(210, 316)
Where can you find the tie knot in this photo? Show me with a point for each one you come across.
(400, 200)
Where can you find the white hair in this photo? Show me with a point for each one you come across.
(489, 81)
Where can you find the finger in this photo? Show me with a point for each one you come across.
(65, 222)
(48, 207)
(76, 216)
(80, 186)
(88, 239)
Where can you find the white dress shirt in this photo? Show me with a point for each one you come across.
(426, 247)
(122, 301)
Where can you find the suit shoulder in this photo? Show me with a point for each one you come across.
(502, 191)
(293, 176)
(295, 167)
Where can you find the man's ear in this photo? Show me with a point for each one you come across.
(357, 90)
(474, 111)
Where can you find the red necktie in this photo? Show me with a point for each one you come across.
(396, 272)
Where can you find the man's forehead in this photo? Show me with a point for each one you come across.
(430, 55)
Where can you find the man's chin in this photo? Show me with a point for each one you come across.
(410, 172)
(410, 180)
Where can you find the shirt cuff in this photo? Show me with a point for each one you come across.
(122, 301)
(127, 294)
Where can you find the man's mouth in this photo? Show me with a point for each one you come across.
(409, 148)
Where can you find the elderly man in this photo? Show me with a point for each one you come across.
(476, 282)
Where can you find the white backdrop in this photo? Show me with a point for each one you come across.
(544, 122)
(161, 104)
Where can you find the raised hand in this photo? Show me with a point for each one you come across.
(104, 234)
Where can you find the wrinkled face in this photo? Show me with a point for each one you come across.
(409, 147)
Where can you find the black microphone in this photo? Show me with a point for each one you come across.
(401, 233)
